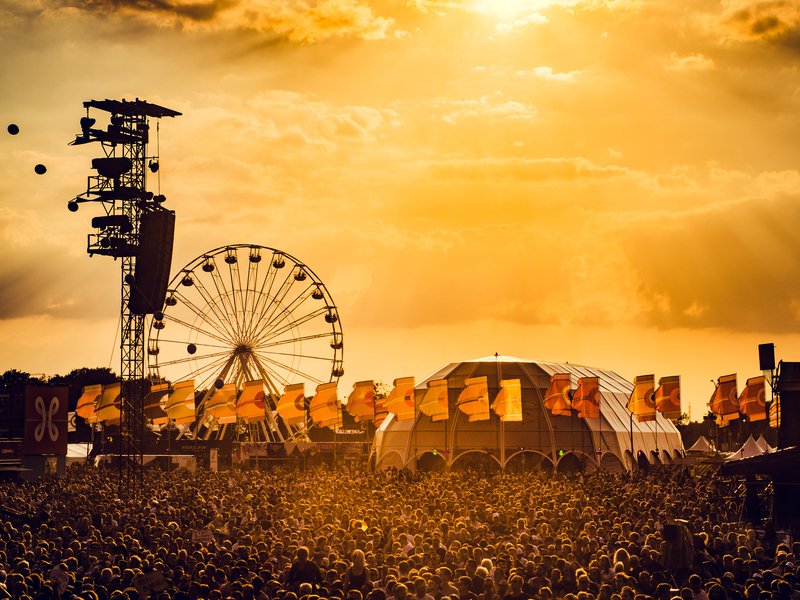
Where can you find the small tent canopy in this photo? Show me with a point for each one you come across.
(748, 450)
(762, 443)
(701, 445)
(539, 432)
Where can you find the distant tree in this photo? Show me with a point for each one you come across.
(77, 379)
(14, 377)
(691, 430)
(86, 376)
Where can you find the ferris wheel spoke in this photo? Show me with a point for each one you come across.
(192, 327)
(246, 285)
(245, 368)
(277, 301)
(182, 343)
(222, 307)
(289, 308)
(200, 314)
(250, 291)
(192, 358)
(303, 338)
(269, 373)
(265, 324)
(267, 300)
(271, 335)
(297, 355)
(291, 369)
(220, 302)
(236, 291)
(204, 374)
(266, 286)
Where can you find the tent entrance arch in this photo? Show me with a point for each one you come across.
(428, 461)
(477, 460)
(572, 462)
(527, 461)
(611, 463)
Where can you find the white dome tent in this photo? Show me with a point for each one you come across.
(541, 439)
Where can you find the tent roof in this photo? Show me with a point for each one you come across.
(748, 450)
(701, 445)
(762, 443)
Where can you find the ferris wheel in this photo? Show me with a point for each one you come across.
(242, 313)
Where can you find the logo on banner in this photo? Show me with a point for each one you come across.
(46, 420)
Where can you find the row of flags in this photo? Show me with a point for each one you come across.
(100, 403)
(666, 399)
(561, 400)
(473, 401)
(227, 403)
(728, 405)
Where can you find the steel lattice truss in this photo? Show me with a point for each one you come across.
(120, 188)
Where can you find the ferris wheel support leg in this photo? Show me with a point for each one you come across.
(266, 431)
(274, 395)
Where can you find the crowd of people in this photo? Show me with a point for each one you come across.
(387, 535)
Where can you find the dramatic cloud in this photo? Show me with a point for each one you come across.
(294, 20)
(767, 20)
(193, 11)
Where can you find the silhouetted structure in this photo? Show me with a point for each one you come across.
(137, 229)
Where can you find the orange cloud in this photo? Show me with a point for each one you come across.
(485, 108)
(772, 20)
(691, 62)
(294, 20)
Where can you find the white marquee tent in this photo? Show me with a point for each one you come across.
(762, 443)
(748, 450)
(701, 445)
(541, 439)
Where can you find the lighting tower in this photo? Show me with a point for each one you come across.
(137, 229)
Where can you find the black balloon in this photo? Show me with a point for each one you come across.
(13, 129)
(40, 169)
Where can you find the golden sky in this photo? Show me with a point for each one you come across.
(609, 183)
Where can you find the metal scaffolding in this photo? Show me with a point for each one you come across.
(120, 188)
